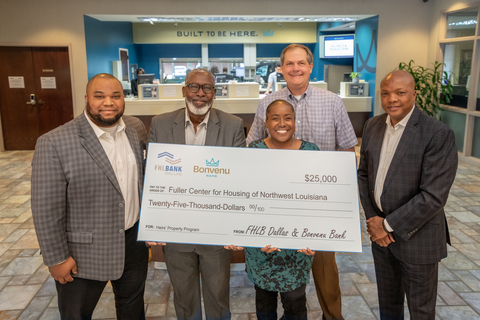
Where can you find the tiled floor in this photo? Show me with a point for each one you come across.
(28, 292)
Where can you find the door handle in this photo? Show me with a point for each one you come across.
(32, 100)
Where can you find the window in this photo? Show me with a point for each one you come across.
(174, 70)
(458, 64)
(231, 64)
(462, 23)
(459, 44)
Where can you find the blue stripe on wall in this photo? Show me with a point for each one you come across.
(225, 50)
(365, 61)
(273, 50)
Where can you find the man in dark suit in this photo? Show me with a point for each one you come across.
(198, 124)
(87, 180)
(408, 162)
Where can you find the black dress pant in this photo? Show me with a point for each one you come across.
(77, 299)
(397, 279)
(294, 304)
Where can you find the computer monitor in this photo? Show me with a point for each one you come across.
(240, 72)
(346, 77)
(221, 77)
(280, 77)
(145, 78)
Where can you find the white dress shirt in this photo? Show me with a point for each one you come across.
(192, 137)
(392, 137)
(115, 142)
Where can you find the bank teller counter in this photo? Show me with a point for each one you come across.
(240, 99)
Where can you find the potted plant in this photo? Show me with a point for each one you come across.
(355, 76)
(432, 86)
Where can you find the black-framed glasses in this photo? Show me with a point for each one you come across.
(194, 87)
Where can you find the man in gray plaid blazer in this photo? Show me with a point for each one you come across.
(408, 162)
(87, 180)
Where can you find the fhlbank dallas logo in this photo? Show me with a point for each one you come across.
(171, 166)
(211, 169)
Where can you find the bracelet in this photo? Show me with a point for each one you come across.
(383, 225)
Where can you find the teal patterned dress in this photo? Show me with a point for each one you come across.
(282, 271)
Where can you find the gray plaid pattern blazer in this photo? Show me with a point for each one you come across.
(77, 205)
(416, 186)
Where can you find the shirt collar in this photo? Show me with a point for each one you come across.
(187, 118)
(402, 122)
(99, 131)
(303, 95)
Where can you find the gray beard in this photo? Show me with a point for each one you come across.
(198, 111)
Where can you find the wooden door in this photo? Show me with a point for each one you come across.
(46, 74)
(124, 59)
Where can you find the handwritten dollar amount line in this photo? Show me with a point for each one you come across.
(320, 179)
(256, 208)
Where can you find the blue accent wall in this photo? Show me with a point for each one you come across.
(225, 50)
(365, 60)
(318, 63)
(273, 50)
(102, 41)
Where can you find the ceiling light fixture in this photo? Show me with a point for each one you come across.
(463, 23)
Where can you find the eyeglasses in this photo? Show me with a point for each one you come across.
(194, 87)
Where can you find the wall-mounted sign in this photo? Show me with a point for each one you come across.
(289, 32)
(16, 82)
(48, 83)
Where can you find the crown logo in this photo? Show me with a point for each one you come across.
(268, 33)
(212, 163)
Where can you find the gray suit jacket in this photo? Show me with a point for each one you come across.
(77, 205)
(223, 129)
(416, 186)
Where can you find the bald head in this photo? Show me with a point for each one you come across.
(398, 95)
(401, 75)
(105, 76)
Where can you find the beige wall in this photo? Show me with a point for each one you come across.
(406, 28)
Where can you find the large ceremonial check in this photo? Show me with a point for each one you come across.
(289, 199)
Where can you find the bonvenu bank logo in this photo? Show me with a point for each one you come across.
(172, 167)
(211, 168)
